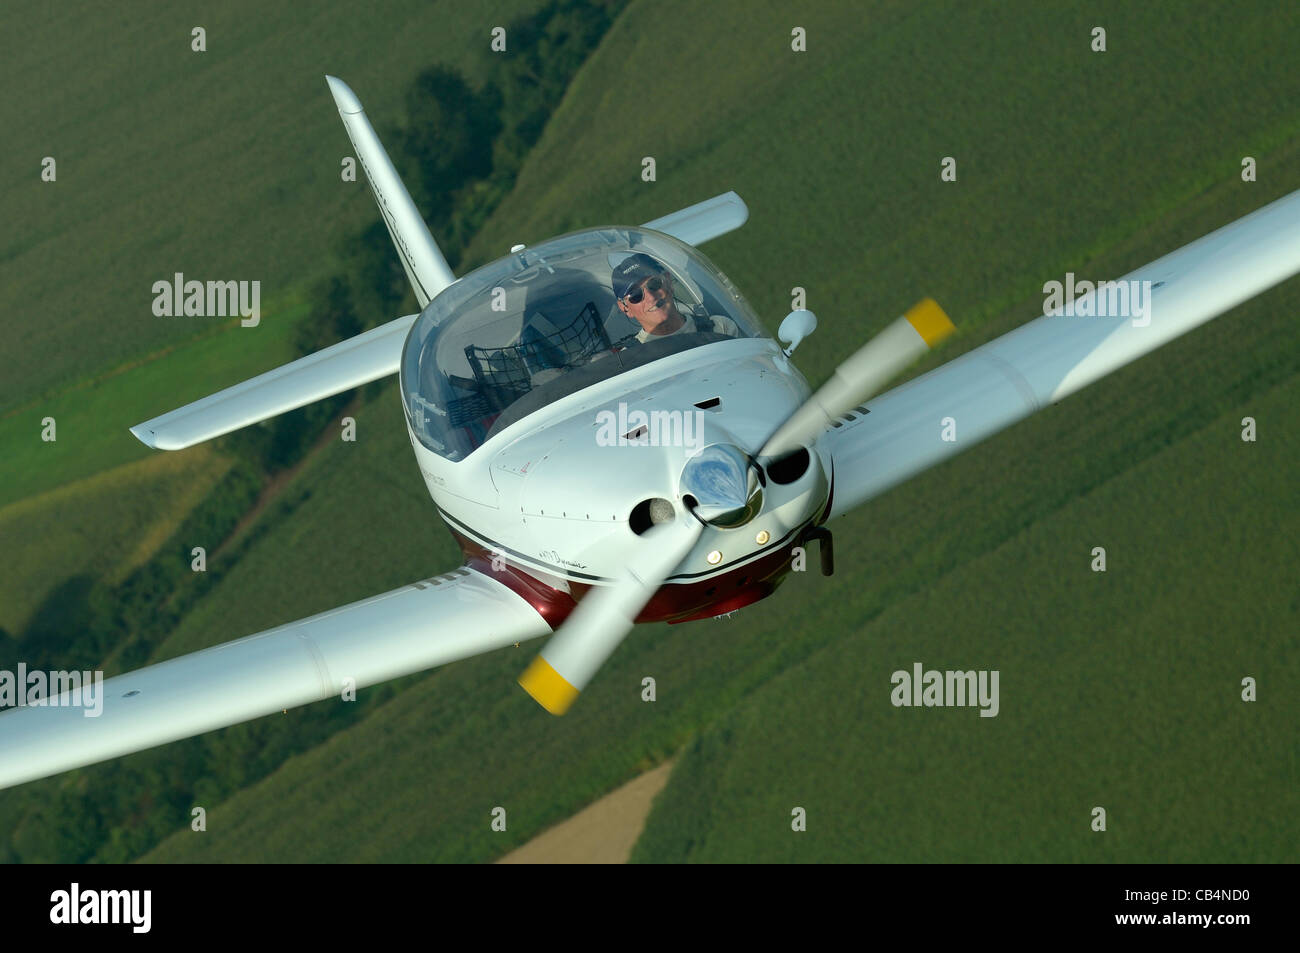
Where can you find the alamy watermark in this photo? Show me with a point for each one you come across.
(934, 689)
(56, 689)
(208, 299)
(133, 908)
(655, 428)
(1102, 299)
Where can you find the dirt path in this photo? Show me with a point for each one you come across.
(601, 833)
(282, 479)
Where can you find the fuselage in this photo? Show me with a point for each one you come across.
(548, 503)
(552, 437)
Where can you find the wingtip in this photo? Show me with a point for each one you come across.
(344, 98)
(744, 209)
(156, 441)
(145, 436)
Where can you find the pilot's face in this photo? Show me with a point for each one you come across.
(655, 311)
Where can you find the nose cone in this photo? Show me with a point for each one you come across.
(724, 484)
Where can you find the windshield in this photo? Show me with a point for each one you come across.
(547, 321)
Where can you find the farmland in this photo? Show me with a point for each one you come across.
(221, 165)
(1119, 689)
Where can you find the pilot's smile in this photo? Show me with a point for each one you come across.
(650, 304)
(657, 315)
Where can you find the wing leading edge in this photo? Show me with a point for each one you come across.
(430, 623)
(1046, 360)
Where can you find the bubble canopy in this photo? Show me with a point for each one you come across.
(544, 322)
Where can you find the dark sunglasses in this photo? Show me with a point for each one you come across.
(652, 285)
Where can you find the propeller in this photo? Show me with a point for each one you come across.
(602, 619)
(721, 489)
(862, 376)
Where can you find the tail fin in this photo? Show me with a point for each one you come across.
(426, 269)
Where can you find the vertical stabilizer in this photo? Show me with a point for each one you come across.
(426, 269)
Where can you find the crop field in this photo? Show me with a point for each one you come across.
(93, 418)
(219, 165)
(1118, 689)
(107, 523)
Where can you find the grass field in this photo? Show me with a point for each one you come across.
(362, 504)
(106, 524)
(1118, 690)
(93, 418)
(1061, 153)
(220, 165)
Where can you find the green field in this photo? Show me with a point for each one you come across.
(93, 418)
(106, 524)
(220, 165)
(1119, 690)
(363, 503)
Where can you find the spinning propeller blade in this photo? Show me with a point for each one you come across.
(722, 487)
(862, 376)
(601, 620)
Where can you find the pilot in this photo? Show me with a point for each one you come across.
(644, 290)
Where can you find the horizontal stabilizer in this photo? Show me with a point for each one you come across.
(704, 220)
(351, 363)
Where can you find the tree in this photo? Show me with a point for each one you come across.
(449, 138)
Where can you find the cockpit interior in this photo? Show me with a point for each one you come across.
(545, 322)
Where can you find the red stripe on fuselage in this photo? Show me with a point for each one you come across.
(675, 602)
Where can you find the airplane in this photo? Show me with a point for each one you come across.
(517, 381)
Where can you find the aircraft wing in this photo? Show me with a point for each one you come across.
(432, 622)
(995, 385)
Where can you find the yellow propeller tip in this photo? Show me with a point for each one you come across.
(547, 686)
(929, 321)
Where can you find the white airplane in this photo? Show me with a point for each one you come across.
(533, 389)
